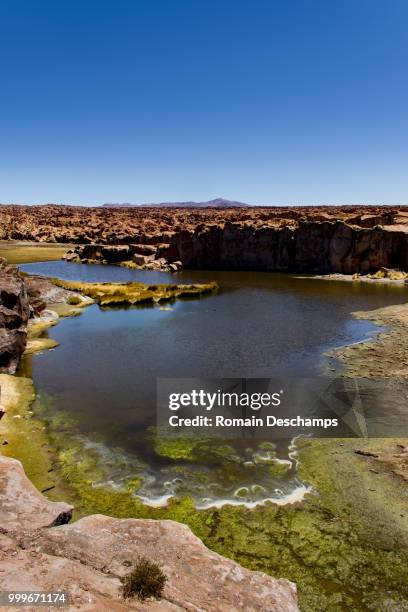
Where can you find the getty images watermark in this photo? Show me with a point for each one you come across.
(255, 401)
(282, 408)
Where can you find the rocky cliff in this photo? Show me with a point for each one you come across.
(39, 551)
(14, 315)
(309, 247)
(21, 298)
(345, 239)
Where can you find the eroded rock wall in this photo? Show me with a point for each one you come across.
(21, 298)
(14, 315)
(311, 247)
(323, 239)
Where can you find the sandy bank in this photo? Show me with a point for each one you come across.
(387, 355)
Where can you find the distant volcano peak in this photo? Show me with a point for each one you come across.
(215, 203)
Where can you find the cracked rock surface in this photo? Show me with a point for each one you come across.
(39, 550)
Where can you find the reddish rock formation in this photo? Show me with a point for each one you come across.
(14, 315)
(88, 558)
(322, 239)
(21, 298)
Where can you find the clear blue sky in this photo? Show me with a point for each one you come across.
(265, 101)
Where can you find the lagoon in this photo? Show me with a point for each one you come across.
(97, 389)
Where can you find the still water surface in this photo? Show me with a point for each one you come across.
(103, 374)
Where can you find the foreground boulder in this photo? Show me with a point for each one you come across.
(22, 507)
(14, 315)
(88, 558)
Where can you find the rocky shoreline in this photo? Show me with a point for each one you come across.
(384, 357)
(24, 300)
(383, 275)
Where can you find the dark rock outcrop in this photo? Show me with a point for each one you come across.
(14, 315)
(21, 298)
(143, 256)
(42, 293)
(310, 247)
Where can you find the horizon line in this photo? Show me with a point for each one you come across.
(205, 204)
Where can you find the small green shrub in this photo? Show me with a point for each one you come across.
(145, 580)
(73, 300)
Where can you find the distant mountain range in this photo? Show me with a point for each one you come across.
(216, 203)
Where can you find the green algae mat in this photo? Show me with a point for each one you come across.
(345, 545)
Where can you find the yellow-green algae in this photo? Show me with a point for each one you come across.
(37, 337)
(23, 437)
(120, 294)
(17, 252)
(190, 448)
(210, 452)
(177, 448)
(345, 546)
